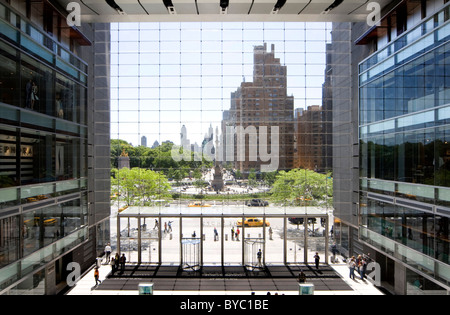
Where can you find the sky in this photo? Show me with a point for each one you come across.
(166, 75)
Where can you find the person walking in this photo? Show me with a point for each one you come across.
(352, 267)
(113, 266)
(117, 261)
(363, 268)
(232, 233)
(216, 235)
(317, 260)
(97, 276)
(108, 253)
(259, 255)
(122, 262)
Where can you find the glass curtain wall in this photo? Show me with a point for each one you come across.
(177, 89)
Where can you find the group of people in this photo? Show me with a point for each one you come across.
(117, 262)
(359, 263)
(235, 234)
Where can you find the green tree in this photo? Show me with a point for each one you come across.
(138, 186)
(303, 186)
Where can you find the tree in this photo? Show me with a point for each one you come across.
(252, 178)
(301, 187)
(138, 186)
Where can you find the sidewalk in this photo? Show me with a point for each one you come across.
(360, 287)
(86, 286)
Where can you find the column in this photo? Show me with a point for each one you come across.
(285, 240)
(181, 239)
(118, 234)
(327, 245)
(201, 242)
(159, 241)
(305, 249)
(139, 242)
(222, 242)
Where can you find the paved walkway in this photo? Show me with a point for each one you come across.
(86, 285)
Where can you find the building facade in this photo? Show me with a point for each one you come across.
(309, 141)
(265, 103)
(401, 216)
(54, 139)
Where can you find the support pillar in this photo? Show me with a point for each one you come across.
(180, 240)
(118, 235)
(305, 249)
(159, 241)
(139, 243)
(285, 241)
(327, 245)
(222, 241)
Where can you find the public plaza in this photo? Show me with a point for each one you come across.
(178, 263)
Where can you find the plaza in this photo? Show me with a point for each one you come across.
(280, 241)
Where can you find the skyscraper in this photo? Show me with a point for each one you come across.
(263, 103)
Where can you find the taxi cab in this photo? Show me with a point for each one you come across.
(252, 222)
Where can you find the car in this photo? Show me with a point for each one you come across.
(252, 222)
(298, 221)
(198, 204)
(257, 203)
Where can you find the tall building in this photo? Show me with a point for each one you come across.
(264, 103)
(54, 146)
(144, 141)
(309, 139)
(400, 70)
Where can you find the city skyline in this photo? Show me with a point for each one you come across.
(162, 80)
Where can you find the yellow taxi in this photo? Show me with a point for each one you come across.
(252, 222)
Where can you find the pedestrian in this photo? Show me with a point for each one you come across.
(363, 268)
(165, 227)
(317, 260)
(97, 276)
(123, 260)
(301, 277)
(232, 233)
(170, 226)
(108, 252)
(352, 267)
(156, 224)
(358, 263)
(117, 261)
(216, 235)
(334, 251)
(237, 234)
(259, 255)
(113, 266)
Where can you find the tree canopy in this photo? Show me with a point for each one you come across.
(159, 158)
(138, 187)
(300, 187)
